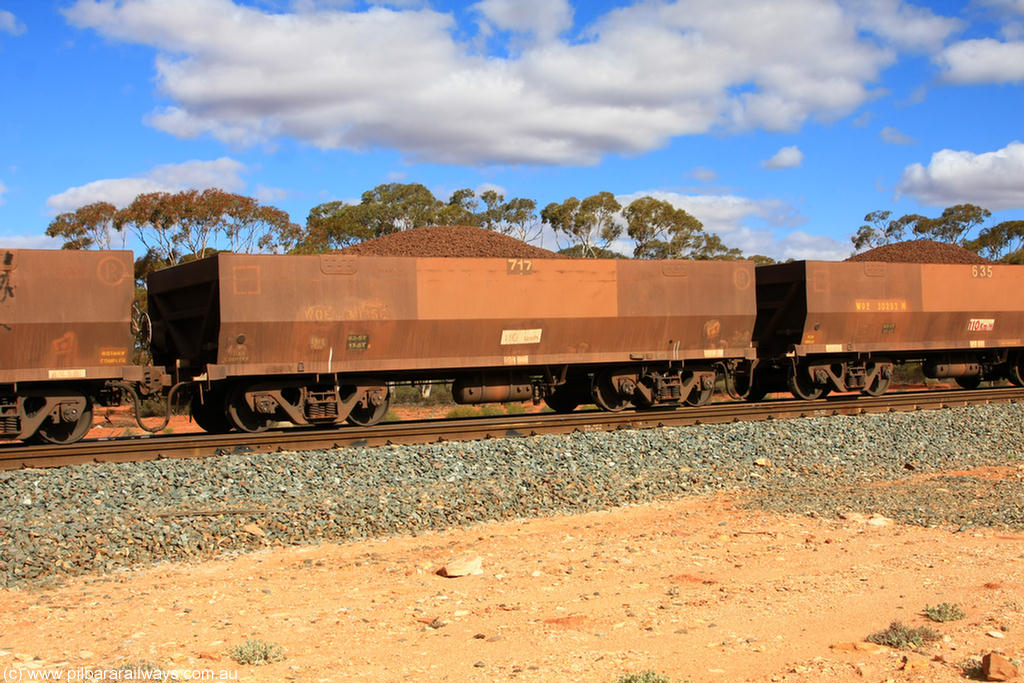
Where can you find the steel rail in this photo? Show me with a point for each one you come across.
(149, 447)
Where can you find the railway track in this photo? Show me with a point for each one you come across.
(139, 448)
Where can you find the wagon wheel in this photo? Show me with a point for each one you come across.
(1016, 373)
(747, 386)
(698, 396)
(564, 399)
(366, 416)
(210, 415)
(968, 381)
(802, 386)
(879, 386)
(242, 416)
(66, 432)
(606, 396)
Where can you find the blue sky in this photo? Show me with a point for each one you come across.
(778, 124)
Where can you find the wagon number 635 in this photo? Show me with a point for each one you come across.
(981, 271)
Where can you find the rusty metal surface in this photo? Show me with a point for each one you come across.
(65, 315)
(826, 307)
(427, 431)
(332, 313)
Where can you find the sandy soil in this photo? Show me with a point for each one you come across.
(695, 590)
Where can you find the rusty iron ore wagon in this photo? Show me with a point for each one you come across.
(65, 331)
(319, 339)
(824, 326)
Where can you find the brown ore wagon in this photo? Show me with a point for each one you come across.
(824, 325)
(320, 339)
(65, 335)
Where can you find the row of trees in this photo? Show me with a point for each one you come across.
(185, 225)
(1002, 242)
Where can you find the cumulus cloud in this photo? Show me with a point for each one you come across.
(787, 157)
(739, 222)
(28, 242)
(224, 173)
(704, 175)
(985, 60)
(895, 136)
(544, 19)
(907, 26)
(635, 78)
(994, 180)
(10, 24)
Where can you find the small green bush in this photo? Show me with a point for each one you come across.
(257, 653)
(944, 611)
(903, 637)
(645, 677)
(486, 410)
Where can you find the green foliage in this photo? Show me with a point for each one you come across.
(944, 611)
(406, 394)
(579, 251)
(881, 229)
(1004, 242)
(90, 226)
(644, 677)
(396, 206)
(515, 408)
(257, 653)
(953, 226)
(181, 226)
(464, 411)
(589, 224)
(903, 637)
(660, 230)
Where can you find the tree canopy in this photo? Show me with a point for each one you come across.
(1002, 242)
(589, 224)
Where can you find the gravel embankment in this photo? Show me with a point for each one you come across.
(97, 517)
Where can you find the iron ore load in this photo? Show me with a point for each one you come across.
(254, 340)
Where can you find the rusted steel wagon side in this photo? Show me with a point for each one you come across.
(842, 326)
(318, 339)
(65, 333)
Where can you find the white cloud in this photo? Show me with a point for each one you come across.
(787, 157)
(544, 19)
(735, 219)
(3, 191)
(28, 242)
(10, 24)
(223, 173)
(704, 175)
(269, 195)
(907, 26)
(983, 61)
(895, 136)
(637, 77)
(994, 180)
(1012, 6)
